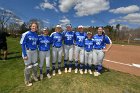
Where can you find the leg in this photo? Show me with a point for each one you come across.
(77, 50)
(54, 56)
(90, 62)
(60, 51)
(70, 57)
(82, 52)
(35, 64)
(66, 52)
(48, 64)
(41, 57)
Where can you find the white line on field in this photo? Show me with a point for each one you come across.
(133, 64)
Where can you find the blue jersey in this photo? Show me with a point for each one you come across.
(88, 44)
(79, 38)
(28, 41)
(101, 41)
(44, 43)
(68, 37)
(57, 38)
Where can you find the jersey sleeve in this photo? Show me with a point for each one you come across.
(108, 40)
(23, 44)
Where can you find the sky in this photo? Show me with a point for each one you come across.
(77, 12)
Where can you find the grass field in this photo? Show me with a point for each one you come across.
(12, 80)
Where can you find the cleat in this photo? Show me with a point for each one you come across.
(35, 78)
(28, 84)
(41, 76)
(53, 72)
(81, 71)
(96, 74)
(69, 70)
(85, 71)
(59, 72)
(49, 76)
(90, 72)
(66, 70)
(76, 70)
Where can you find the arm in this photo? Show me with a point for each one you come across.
(109, 44)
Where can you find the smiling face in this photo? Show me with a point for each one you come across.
(69, 28)
(58, 29)
(34, 27)
(100, 31)
(45, 32)
(80, 29)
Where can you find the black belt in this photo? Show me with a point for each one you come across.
(31, 49)
(79, 46)
(56, 47)
(98, 48)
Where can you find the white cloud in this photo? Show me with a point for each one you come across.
(126, 10)
(92, 21)
(46, 5)
(66, 5)
(64, 21)
(46, 21)
(84, 7)
(90, 7)
(133, 18)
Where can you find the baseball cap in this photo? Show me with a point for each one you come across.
(58, 25)
(44, 29)
(69, 25)
(89, 32)
(80, 26)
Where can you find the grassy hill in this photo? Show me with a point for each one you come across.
(12, 79)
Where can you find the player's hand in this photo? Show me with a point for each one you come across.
(105, 50)
(25, 58)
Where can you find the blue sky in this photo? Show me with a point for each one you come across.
(77, 12)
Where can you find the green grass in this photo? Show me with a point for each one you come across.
(12, 79)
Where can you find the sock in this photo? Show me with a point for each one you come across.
(53, 66)
(99, 68)
(47, 70)
(89, 67)
(86, 66)
(76, 64)
(81, 66)
(65, 63)
(70, 64)
(41, 71)
(59, 65)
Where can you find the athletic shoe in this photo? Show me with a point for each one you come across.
(76, 70)
(35, 78)
(53, 72)
(85, 71)
(96, 73)
(69, 70)
(59, 72)
(81, 71)
(41, 76)
(28, 84)
(90, 72)
(49, 76)
(66, 70)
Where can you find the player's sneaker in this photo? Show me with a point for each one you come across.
(59, 72)
(41, 76)
(85, 71)
(90, 72)
(76, 70)
(53, 72)
(66, 70)
(35, 78)
(81, 71)
(28, 84)
(96, 73)
(49, 76)
(69, 70)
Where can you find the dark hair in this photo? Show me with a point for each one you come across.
(32, 24)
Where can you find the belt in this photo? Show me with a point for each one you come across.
(31, 49)
(56, 46)
(79, 46)
(98, 48)
(88, 51)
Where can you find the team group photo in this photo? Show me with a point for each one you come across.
(69, 46)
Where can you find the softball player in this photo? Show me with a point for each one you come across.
(68, 47)
(79, 48)
(44, 42)
(29, 52)
(100, 41)
(57, 49)
(88, 52)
